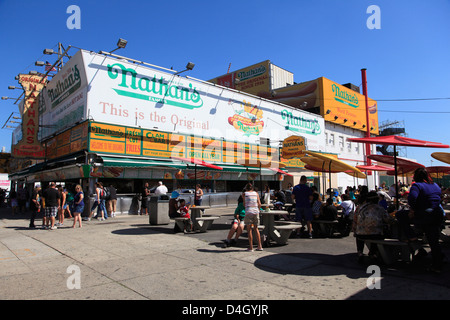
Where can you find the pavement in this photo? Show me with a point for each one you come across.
(126, 258)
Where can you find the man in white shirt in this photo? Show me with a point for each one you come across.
(161, 189)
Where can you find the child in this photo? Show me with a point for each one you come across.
(184, 212)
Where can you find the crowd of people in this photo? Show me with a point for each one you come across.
(57, 203)
(376, 214)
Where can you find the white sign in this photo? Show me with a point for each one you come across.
(65, 98)
(127, 94)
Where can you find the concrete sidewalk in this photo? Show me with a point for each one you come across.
(126, 258)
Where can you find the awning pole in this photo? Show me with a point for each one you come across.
(396, 179)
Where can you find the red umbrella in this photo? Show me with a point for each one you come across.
(439, 170)
(281, 171)
(398, 141)
(401, 170)
(401, 162)
(374, 168)
(197, 162)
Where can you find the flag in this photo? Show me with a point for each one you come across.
(48, 66)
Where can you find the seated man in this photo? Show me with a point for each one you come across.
(280, 199)
(348, 209)
(329, 211)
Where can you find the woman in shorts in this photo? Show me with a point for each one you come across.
(78, 203)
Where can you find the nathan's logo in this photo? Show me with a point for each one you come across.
(154, 90)
(244, 75)
(344, 97)
(300, 124)
(70, 82)
(248, 119)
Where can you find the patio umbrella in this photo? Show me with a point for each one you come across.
(257, 163)
(374, 167)
(196, 162)
(435, 171)
(398, 141)
(328, 164)
(441, 156)
(400, 162)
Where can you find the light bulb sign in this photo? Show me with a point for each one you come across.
(29, 146)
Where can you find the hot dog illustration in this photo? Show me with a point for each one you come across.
(373, 108)
(200, 175)
(237, 121)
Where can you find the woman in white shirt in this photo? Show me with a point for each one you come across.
(252, 205)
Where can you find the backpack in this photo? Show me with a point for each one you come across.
(106, 194)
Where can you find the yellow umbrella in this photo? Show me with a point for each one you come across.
(265, 163)
(336, 164)
(325, 163)
(441, 156)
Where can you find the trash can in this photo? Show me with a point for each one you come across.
(158, 208)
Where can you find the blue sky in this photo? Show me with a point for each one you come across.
(408, 58)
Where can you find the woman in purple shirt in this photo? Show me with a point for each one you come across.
(425, 201)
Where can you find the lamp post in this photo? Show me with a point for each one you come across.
(189, 66)
(364, 84)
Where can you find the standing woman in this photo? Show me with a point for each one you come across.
(78, 203)
(425, 201)
(60, 209)
(198, 195)
(252, 205)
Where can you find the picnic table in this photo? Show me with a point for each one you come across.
(200, 222)
(278, 233)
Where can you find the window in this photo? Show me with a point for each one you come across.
(357, 148)
(326, 138)
(332, 139)
(341, 143)
(349, 147)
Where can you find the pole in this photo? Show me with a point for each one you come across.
(364, 84)
(396, 179)
(329, 168)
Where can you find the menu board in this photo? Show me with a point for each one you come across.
(121, 140)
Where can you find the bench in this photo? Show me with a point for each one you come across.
(293, 223)
(203, 223)
(326, 227)
(180, 222)
(263, 236)
(392, 249)
(283, 232)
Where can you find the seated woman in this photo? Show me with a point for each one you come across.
(368, 223)
(316, 205)
(173, 205)
(237, 226)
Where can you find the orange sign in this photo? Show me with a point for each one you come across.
(29, 146)
(293, 147)
(346, 107)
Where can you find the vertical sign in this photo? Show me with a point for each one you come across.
(29, 146)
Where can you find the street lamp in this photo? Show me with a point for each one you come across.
(49, 51)
(121, 44)
(189, 66)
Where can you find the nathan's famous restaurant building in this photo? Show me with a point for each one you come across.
(109, 119)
